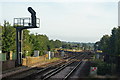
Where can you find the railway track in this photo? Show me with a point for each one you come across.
(32, 71)
(51, 70)
(54, 72)
(67, 71)
(69, 74)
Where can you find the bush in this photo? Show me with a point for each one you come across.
(103, 67)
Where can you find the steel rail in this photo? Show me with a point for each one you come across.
(32, 75)
(68, 75)
(53, 72)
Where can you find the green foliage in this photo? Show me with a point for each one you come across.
(110, 44)
(105, 43)
(8, 38)
(117, 42)
(27, 46)
(30, 42)
(113, 40)
(103, 67)
(33, 42)
(57, 43)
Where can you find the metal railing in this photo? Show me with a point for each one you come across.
(25, 22)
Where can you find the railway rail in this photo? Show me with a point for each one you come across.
(55, 71)
(68, 70)
(51, 70)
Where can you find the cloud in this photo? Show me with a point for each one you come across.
(77, 21)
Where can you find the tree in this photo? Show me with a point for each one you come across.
(104, 43)
(113, 41)
(27, 46)
(117, 42)
(8, 38)
(57, 43)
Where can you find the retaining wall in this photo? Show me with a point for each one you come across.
(32, 60)
(8, 64)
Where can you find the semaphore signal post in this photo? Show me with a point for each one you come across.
(20, 24)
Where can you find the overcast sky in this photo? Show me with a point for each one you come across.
(78, 20)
